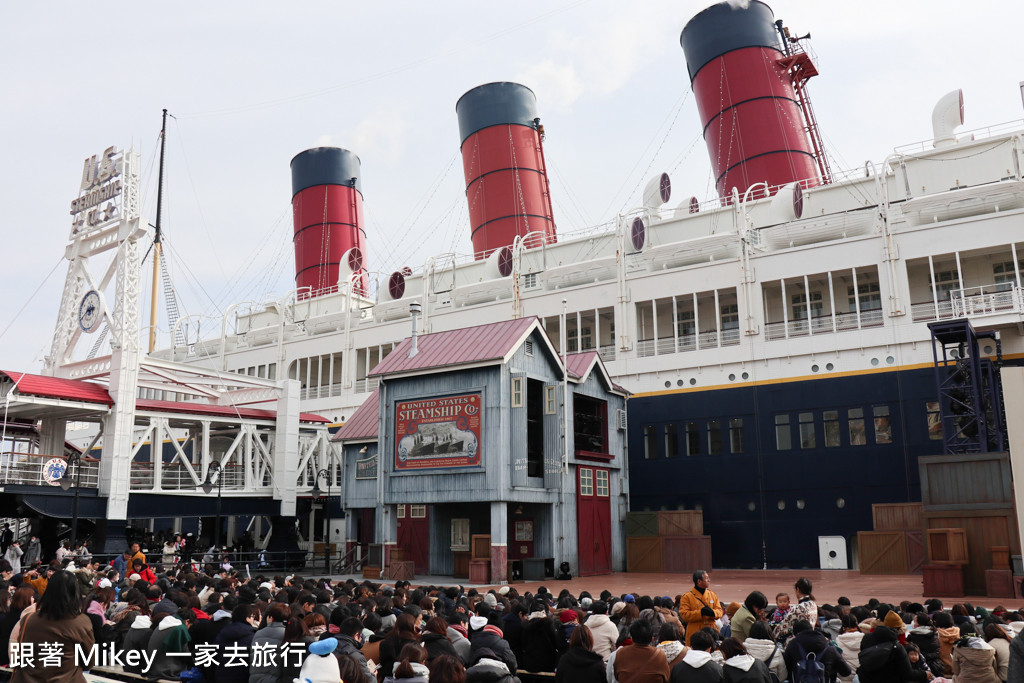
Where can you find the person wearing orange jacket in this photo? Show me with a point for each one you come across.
(700, 607)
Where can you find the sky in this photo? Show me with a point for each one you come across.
(252, 84)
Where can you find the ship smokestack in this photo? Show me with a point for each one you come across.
(749, 90)
(503, 159)
(414, 312)
(327, 214)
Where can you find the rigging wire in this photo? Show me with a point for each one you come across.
(31, 296)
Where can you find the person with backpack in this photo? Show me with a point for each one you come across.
(760, 643)
(883, 659)
(810, 658)
(740, 666)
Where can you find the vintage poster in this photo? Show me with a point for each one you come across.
(438, 433)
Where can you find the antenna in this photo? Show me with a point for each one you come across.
(157, 236)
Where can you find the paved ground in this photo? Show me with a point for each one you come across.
(735, 584)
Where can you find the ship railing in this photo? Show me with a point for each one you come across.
(929, 310)
(996, 130)
(607, 353)
(824, 324)
(321, 391)
(31, 469)
(174, 476)
(367, 384)
(985, 300)
(688, 342)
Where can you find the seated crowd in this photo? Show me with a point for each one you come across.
(221, 627)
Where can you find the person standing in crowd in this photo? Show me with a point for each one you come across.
(33, 551)
(57, 619)
(805, 608)
(700, 607)
(13, 555)
(6, 538)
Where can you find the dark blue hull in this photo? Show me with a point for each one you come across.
(766, 504)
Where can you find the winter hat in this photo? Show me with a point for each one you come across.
(134, 577)
(266, 584)
(732, 608)
(477, 623)
(490, 599)
(104, 583)
(585, 603)
(832, 628)
(629, 598)
(503, 590)
(321, 666)
(893, 621)
(567, 616)
(142, 621)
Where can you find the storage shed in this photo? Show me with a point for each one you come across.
(490, 457)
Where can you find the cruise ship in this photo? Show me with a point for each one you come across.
(776, 339)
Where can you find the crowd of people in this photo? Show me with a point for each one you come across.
(223, 626)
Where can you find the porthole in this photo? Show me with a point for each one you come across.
(732, 377)
(801, 504)
(830, 367)
(745, 375)
(840, 503)
(668, 384)
(874, 361)
(679, 382)
(890, 360)
(698, 506)
(751, 506)
(988, 350)
(693, 381)
(782, 504)
(815, 368)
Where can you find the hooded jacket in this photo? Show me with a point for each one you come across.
(974, 662)
(461, 643)
(239, 635)
(422, 675)
(1002, 648)
(580, 666)
(605, 634)
(927, 640)
(697, 667)
(849, 645)
(137, 639)
(806, 642)
(488, 668)
(947, 639)
(271, 635)
(170, 636)
(489, 638)
(897, 667)
(745, 669)
(33, 550)
(769, 652)
(437, 645)
(542, 644)
(1015, 672)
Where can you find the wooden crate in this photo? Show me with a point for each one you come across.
(897, 516)
(479, 571)
(680, 523)
(480, 546)
(943, 581)
(883, 552)
(685, 554)
(999, 583)
(400, 571)
(947, 546)
(372, 573)
(917, 554)
(643, 554)
(641, 524)
(1001, 557)
(954, 481)
(984, 529)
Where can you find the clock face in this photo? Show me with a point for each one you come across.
(90, 311)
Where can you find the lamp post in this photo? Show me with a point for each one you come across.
(215, 467)
(326, 474)
(66, 482)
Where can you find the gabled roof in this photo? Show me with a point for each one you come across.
(580, 365)
(363, 423)
(483, 344)
(90, 392)
(59, 388)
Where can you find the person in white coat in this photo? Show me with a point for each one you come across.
(13, 555)
(605, 632)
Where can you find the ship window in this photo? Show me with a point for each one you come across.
(671, 441)
(650, 442)
(807, 438)
(883, 426)
(783, 437)
(855, 419)
(530, 280)
(1004, 275)
(517, 392)
(831, 428)
(692, 439)
(684, 324)
(601, 483)
(736, 435)
(800, 306)
(550, 400)
(730, 316)
(586, 481)
(946, 281)
(934, 420)
(870, 297)
(714, 437)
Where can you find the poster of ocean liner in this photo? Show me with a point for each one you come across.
(438, 433)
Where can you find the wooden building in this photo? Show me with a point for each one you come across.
(485, 453)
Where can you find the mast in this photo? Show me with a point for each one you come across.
(156, 237)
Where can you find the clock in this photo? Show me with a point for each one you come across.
(90, 311)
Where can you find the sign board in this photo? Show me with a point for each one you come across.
(99, 200)
(438, 433)
(366, 468)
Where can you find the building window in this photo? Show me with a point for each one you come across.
(869, 295)
(714, 437)
(418, 511)
(586, 481)
(946, 281)
(736, 435)
(534, 425)
(832, 430)
(783, 438)
(692, 439)
(517, 392)
(601, 479)
(730, 316)
(401, 511)
(590, 424)
(800, 306)
(671, 441)
(855, 419)
(684, 324)
(650, 443)
(1004, 275)
(807, 438)
(934, 420)
(550, 400)
(883, 425)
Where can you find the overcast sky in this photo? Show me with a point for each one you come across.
(252, 84)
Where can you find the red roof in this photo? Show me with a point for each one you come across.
(578, 364)
(363, 423)
(458, 347)
(58, 387)
(90, 392)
